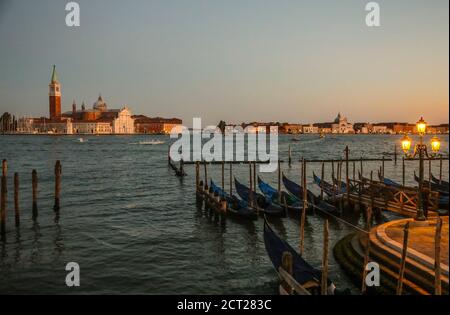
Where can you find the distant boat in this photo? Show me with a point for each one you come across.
(152, 142)
(295, 139)
(322, 135)
(81, 140)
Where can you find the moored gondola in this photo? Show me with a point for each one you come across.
(286, 200)
(265, 205)
(440, 182)
(390, 182)
(296, 190)
(236, 207)
(436, 187)
(329, 189)
(303, 273)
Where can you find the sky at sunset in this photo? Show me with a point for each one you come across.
(236, 60)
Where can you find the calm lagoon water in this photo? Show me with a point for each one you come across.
(133, 227)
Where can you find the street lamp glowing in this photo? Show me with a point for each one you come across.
(435, 144)
(421, 126)
(406, 143)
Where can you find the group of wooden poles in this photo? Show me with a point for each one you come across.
(288, 283)
(34, 187)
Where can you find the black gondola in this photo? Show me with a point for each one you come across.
(439, 182)
(236, 207)
(306, 275)
(264, 204)
(296, 190)
(436, 187)
(293, 204)
(329, 189)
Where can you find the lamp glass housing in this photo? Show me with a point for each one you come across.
(406, 143)
(421, 126)
(435, 144)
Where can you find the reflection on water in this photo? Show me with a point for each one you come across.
(133, 227)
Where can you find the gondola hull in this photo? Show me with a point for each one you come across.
(236, 208)
(264, 205)
(302, 272)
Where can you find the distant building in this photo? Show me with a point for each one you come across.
(324, 127)
(310, 129)
(292, 128)
(157, 125)
(443, 128)
(98, 120)
(362, 128)
(341, 125)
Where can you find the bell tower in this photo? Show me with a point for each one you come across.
(54, 95)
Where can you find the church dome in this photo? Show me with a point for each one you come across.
(100, 104)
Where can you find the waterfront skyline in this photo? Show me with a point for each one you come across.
(282, 61)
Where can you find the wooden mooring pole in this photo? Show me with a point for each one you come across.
(223, 175)
(16, 200)
(437, 258)
(429, 174)
(205, 169)
(403, 171)
(321, 186)
(367, 248)
(347, 179)
(305, 206)
(254, 177)
(34, 186)
(324, 282)
(354, 171)
(251, 185)
(287, 265)
(3, 193)
(197, 175)
(440, 169)
(58, 171)
(290, 156)
(279, 182)
(361, 166)
(231, 179)
(395, 154)
(403, 259)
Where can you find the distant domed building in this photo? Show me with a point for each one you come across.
(100, 119)
(341, 125)
(100, 105)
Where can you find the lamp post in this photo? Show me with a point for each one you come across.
(421, 150)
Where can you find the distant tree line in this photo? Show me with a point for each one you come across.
(8, 123)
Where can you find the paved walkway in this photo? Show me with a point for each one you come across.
(421, 240)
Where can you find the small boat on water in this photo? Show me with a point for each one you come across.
(322, 135)
(305, 275)
(236, 207)
(151, 142)
(292, 203)
(329, 189)
(390, 182)
(81, 140)
(296, 190)
(439, 182)
(436, 187)
(263, 203)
